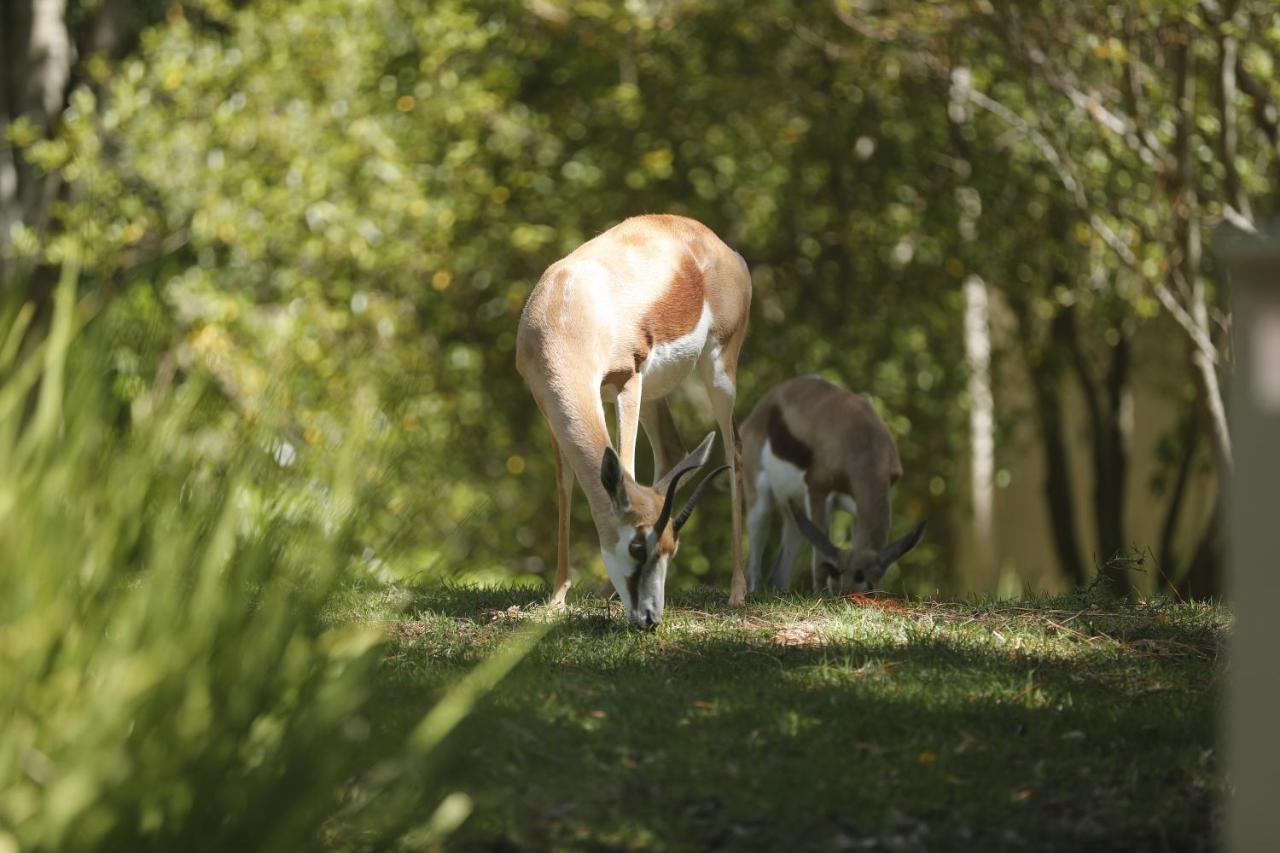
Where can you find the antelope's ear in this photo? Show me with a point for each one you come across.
(895, 549)
(614, 481)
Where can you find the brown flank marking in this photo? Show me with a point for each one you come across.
(677, 311)
(784, 443)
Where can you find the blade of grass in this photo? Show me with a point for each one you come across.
(463, 696)
(49, 403)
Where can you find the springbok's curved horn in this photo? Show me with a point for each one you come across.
(813, 534)
(695, 497)
(897, 548)
(665, 516)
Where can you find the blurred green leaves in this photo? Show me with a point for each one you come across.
(325, 197)
(169, 675)
(301, 200)
(166, 679)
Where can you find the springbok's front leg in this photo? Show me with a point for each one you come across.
(760, 511)
(821, 520)
(790, 547)
(629, 421)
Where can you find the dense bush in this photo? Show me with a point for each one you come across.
(346, 193)
(168, 677)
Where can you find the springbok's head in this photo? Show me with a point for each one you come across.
(850, 570)
(648, 532)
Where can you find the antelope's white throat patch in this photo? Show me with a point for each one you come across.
(618, 562)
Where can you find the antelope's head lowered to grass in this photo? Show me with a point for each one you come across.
(851, 570)
(622, 320)
(648, 530)
(813, 444)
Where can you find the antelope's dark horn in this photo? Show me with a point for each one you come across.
(665, 515)
(696, 496)
(897, 548)
(813, 534)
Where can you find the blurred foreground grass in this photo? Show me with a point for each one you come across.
(1061, 724)
(167, 680)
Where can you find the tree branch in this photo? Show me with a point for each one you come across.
(1066, 176)
(1089, 103)
(1228, 56)
(1265, 114)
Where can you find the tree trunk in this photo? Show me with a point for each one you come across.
(1190, 250)
(15, 29)
(977, 347)
(39, 65)
(1046, 386)
(1167, 559)
(36, 67)
(1203, 579)
(1228, 56)
(1044, 356)
(1111, 454)
(1108, 408)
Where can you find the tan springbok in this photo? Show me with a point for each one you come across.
(623, 319)
(807, 446)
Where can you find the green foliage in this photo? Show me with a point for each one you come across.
(170, 677)
(319, 197)
(355, 194)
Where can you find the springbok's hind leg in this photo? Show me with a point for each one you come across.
(722, 391)
(664, 438)
(564, 499)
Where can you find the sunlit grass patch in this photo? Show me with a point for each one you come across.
(818, 723)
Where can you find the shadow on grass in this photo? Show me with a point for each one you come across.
(713, 735)
(472, 602)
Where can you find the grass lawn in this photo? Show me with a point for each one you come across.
(795, 723)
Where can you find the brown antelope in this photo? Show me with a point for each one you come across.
(623, 319)
(807, 446)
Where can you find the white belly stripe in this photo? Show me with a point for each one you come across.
(670, 362)
(786, 481)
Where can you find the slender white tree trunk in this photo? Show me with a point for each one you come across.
(977, 348)
(35, 66)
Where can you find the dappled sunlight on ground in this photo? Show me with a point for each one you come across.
(826, 723)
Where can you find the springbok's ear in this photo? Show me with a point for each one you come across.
(614, 481)
(696, 459)
(895, 549)
(813, 534)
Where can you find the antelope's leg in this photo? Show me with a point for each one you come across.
(793, 542)
(564, 499)
(629, 422)
(759, 517)
(717, 371)
(664, 438)
(722, 403)
(822, 520)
